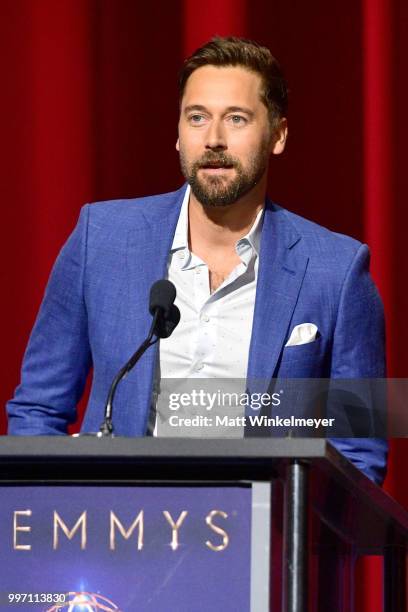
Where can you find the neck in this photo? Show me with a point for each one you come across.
(222, 226)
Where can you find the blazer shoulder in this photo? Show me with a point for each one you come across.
(319, 241)
(126, 209)
(111, 222)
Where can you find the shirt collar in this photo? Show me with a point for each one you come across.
(254, 234)
(180, 240)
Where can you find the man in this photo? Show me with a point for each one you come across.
(263, 293)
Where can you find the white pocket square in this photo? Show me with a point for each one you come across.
(302, 334)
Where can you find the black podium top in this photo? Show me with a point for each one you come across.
(88, 457)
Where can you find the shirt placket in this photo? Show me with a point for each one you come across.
(204, 337)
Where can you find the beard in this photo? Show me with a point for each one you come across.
(218, 190)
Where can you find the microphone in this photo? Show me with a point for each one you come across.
(166, 317)
(162, 296)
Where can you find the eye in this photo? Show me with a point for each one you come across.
(237, 120)
(196, 119)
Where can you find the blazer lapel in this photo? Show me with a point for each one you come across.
(147, 255)
(281, 271)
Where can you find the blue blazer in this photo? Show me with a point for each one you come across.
(95, 314)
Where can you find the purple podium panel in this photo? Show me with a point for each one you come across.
(125, 548)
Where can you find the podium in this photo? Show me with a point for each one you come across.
(324, 511)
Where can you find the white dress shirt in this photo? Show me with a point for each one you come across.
(213, 336)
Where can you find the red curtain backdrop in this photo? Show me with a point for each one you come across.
(89, 110)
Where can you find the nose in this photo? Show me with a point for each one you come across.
(215, 136)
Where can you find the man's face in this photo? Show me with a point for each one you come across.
(225, 137)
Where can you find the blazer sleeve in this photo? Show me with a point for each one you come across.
(358, 352)
(58, 357)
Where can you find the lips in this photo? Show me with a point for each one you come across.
(216, 166)
(216, 170)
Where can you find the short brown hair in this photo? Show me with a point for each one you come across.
(234, 51)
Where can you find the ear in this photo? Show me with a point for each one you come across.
(279, 138)
(178, 144)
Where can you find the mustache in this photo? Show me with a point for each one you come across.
(219, 160)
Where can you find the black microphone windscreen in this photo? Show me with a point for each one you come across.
(162, 295)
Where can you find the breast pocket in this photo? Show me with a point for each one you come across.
(304, 360)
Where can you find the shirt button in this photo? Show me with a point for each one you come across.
(181, 255)
(199, 366)
(205, 318)
(198, 270)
